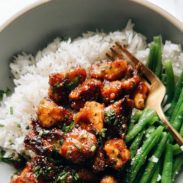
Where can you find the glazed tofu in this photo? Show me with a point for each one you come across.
(87, 91)
(121, 107)
(114, 90)
(110, 70)
(26, 176)
(129, 85)
(141, 94)
(108, 179)
(78, 145)
(111, 91)
(117, 152)
(62, 83)
(117, 116)
(91, 117)
(43, 141)
(50, 114)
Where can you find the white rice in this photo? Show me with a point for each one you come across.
(31, 75)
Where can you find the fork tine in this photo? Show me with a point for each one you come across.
(114, 52)
(128, 54)
(110, 56)
(151, 76)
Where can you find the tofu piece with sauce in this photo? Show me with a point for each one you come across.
(50, 114)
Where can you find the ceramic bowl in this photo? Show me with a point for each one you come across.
(33, 27)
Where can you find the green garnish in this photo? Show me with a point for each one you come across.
(101, 135)
(18, 125)
(2, 92)
(71, 85)
(19, 160)
(103, 132)
(58, 85)
(68, 128)
(110, 117)
(75, 177)
(11, 110)
(1, 125)
(61, 141)
(27, 127)
(41, 171)
(11, 142)
(62, 177)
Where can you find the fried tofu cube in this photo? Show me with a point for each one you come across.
(78, 145)
(91, 117)
(131, 83)
(141, 95)
(117, 116)
(62, 83)
(50, 114)
(87, 91)
(110, 70)
(25, 176)
(111, 91)
(121, 107)
(108, 179)
(117, 152)
(115, 89)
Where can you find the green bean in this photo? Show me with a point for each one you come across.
(150, 168)
(167, 165)
(177, 107)
(181, 130)
(176, 123)
(177, 165)
(136, 143)
(176, 149)
(149, 131)
(163, 79)
(135, 117)
(137, 179)
(136, 114)
(179, 87)
(158, 68)
(177, 114)
(154, 61)
(170, 80)
(156, 173)
(178, 90)
(151, 58)
(141, 156)
(148, 116)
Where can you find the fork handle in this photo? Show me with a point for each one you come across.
(172, 130)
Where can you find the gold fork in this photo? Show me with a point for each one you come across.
(157, 89)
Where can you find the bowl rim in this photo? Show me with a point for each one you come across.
(172, 19)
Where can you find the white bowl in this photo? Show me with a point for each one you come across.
(39, 23)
